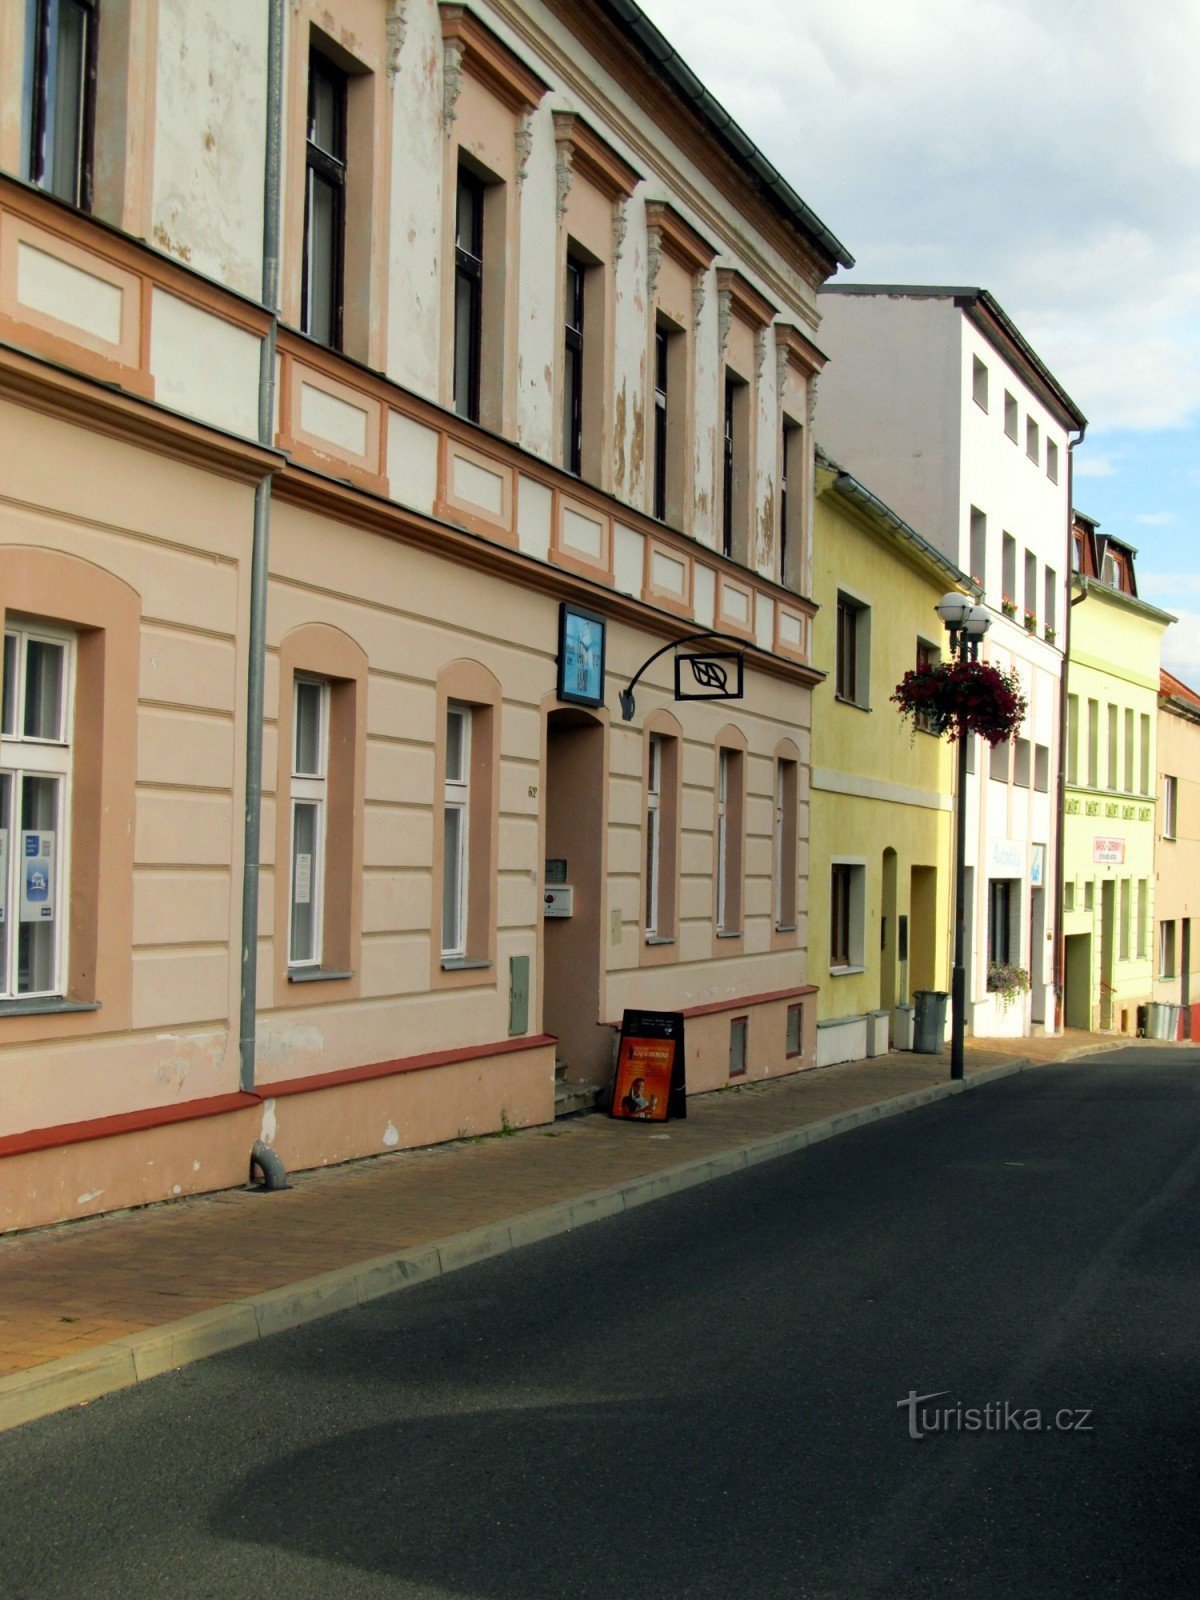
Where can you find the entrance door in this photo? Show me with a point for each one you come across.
(573, 946)
(889, 953)
(1037, 955)
(1077, 977)
(922, 929)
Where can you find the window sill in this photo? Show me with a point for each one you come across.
(856, 705)
(786, 927)
(316, 975)
(658, 938)
(463, 964)
(729, 933)
(845, 972)
(45, 1005)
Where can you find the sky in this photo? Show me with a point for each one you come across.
(1048, 152)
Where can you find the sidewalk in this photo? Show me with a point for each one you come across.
(95, 1306)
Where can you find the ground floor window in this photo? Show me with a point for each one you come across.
(1003, 900)
(35, 807)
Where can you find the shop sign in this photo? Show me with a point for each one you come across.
(712, 676)
(1037, 866)
(1007, 859)
(581, 641)
(650, 1085)
(1110, 851)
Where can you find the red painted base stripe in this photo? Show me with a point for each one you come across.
(391, 1069)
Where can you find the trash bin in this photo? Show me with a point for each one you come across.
(1158, 1020)
(1171, 1030)
(929, 1024)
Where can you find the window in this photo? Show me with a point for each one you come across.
(661, 421)
(1093, 747)
(35, 808)
(1032, 442)
(324, 203)
(1125, 914)
(1113, 727)
(1031, 593)
(852, 676)
(1170, 806)
(979, 383)
(978, 545)
(840, 880)
(1143, 919)
(61, 110)
(1008, 570)
(738, 1028)
(1001, 905)
(670, 422)
(468, 295)
(1011, 421)
(1050, 603)
(1072, 738)
(847, 893)
(730, 786)
(1041, 768)
(456, 823)
(1166, 949)
(1000, 761)
(734, 425)
(928, 655)
(787, 794)
(661, 825)
(572, 418)
(1077, 552)
(791, 506)
(654, 789)
(310, 767)
(1130, 752)
(794, 1039)
(1089, 895)
(1145, 754)
(1068, 896)
(1021, 754)
(1052, 460)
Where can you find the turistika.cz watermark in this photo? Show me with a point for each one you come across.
(998, 1416)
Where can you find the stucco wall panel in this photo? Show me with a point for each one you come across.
(184, 750)
(181, 907)
(184, 669)
(204, 366)
(182, 830)
(177, 987)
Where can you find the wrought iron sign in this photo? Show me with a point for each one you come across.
(709, 677)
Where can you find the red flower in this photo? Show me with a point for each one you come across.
(957, 697)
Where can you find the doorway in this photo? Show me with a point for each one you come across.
(573, 946)
(1108, 900)
(1077, 978)
(889, 950)
(922, 928)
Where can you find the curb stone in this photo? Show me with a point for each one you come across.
(137, 1357)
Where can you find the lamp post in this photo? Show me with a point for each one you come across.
(966, 623)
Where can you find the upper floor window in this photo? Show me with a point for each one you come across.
(1032, 442)
(61, 109)
(35, 808)
(979, 383)
(1170, 806)
(1052, 460)
(468, 295)
(573, 359)
(852, 677)
(1010, 416)
(324, 203)
(791, 505)
(928, 655)
(735, 464)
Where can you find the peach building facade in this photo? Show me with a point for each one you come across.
(291, 512)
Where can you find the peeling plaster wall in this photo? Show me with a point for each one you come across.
(210, 138)
(538, 335)
(414, 301)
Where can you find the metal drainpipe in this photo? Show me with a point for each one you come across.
(256, 647)
(1060, 946)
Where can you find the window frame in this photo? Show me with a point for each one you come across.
(1170, 820)
(729, 834)
(784, 837)
(852, 670)
(574, 337)
(329, 167)
(456, 799)
(309, 789)
(661, 813)
(469, 275)
(41, 109)
(36, 756)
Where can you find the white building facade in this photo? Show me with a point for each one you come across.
(933, 396)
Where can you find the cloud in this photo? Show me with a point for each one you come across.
(1157, 519)
(1087, 466)
(1181, 648)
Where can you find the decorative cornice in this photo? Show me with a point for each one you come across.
(397, 28)
(452, 81)
(724, 314)
(620, 225)
(593, 158)
(796, 349)
(699, 290)
(744, 299)
(679, 239)
(488, 59)
(523, 146)
(654, 250)
(760, 353)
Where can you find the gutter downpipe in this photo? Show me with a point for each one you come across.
(1060, 874)
(257, 639)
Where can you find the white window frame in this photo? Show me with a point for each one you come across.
(777, 835)
(23, 756)
(309, 789)
(1170, 818)
(724, 762)
(456, 796)
(654, 770)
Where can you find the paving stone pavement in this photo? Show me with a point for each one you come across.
(182, 1278)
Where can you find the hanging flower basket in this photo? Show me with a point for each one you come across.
(963, 696)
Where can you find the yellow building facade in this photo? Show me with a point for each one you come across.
(880, 885)
(1109, 828)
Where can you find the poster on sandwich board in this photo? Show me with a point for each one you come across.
(650, 1083)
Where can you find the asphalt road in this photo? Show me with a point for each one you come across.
(705, 1397)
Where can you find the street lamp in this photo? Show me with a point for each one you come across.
(966, 623)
